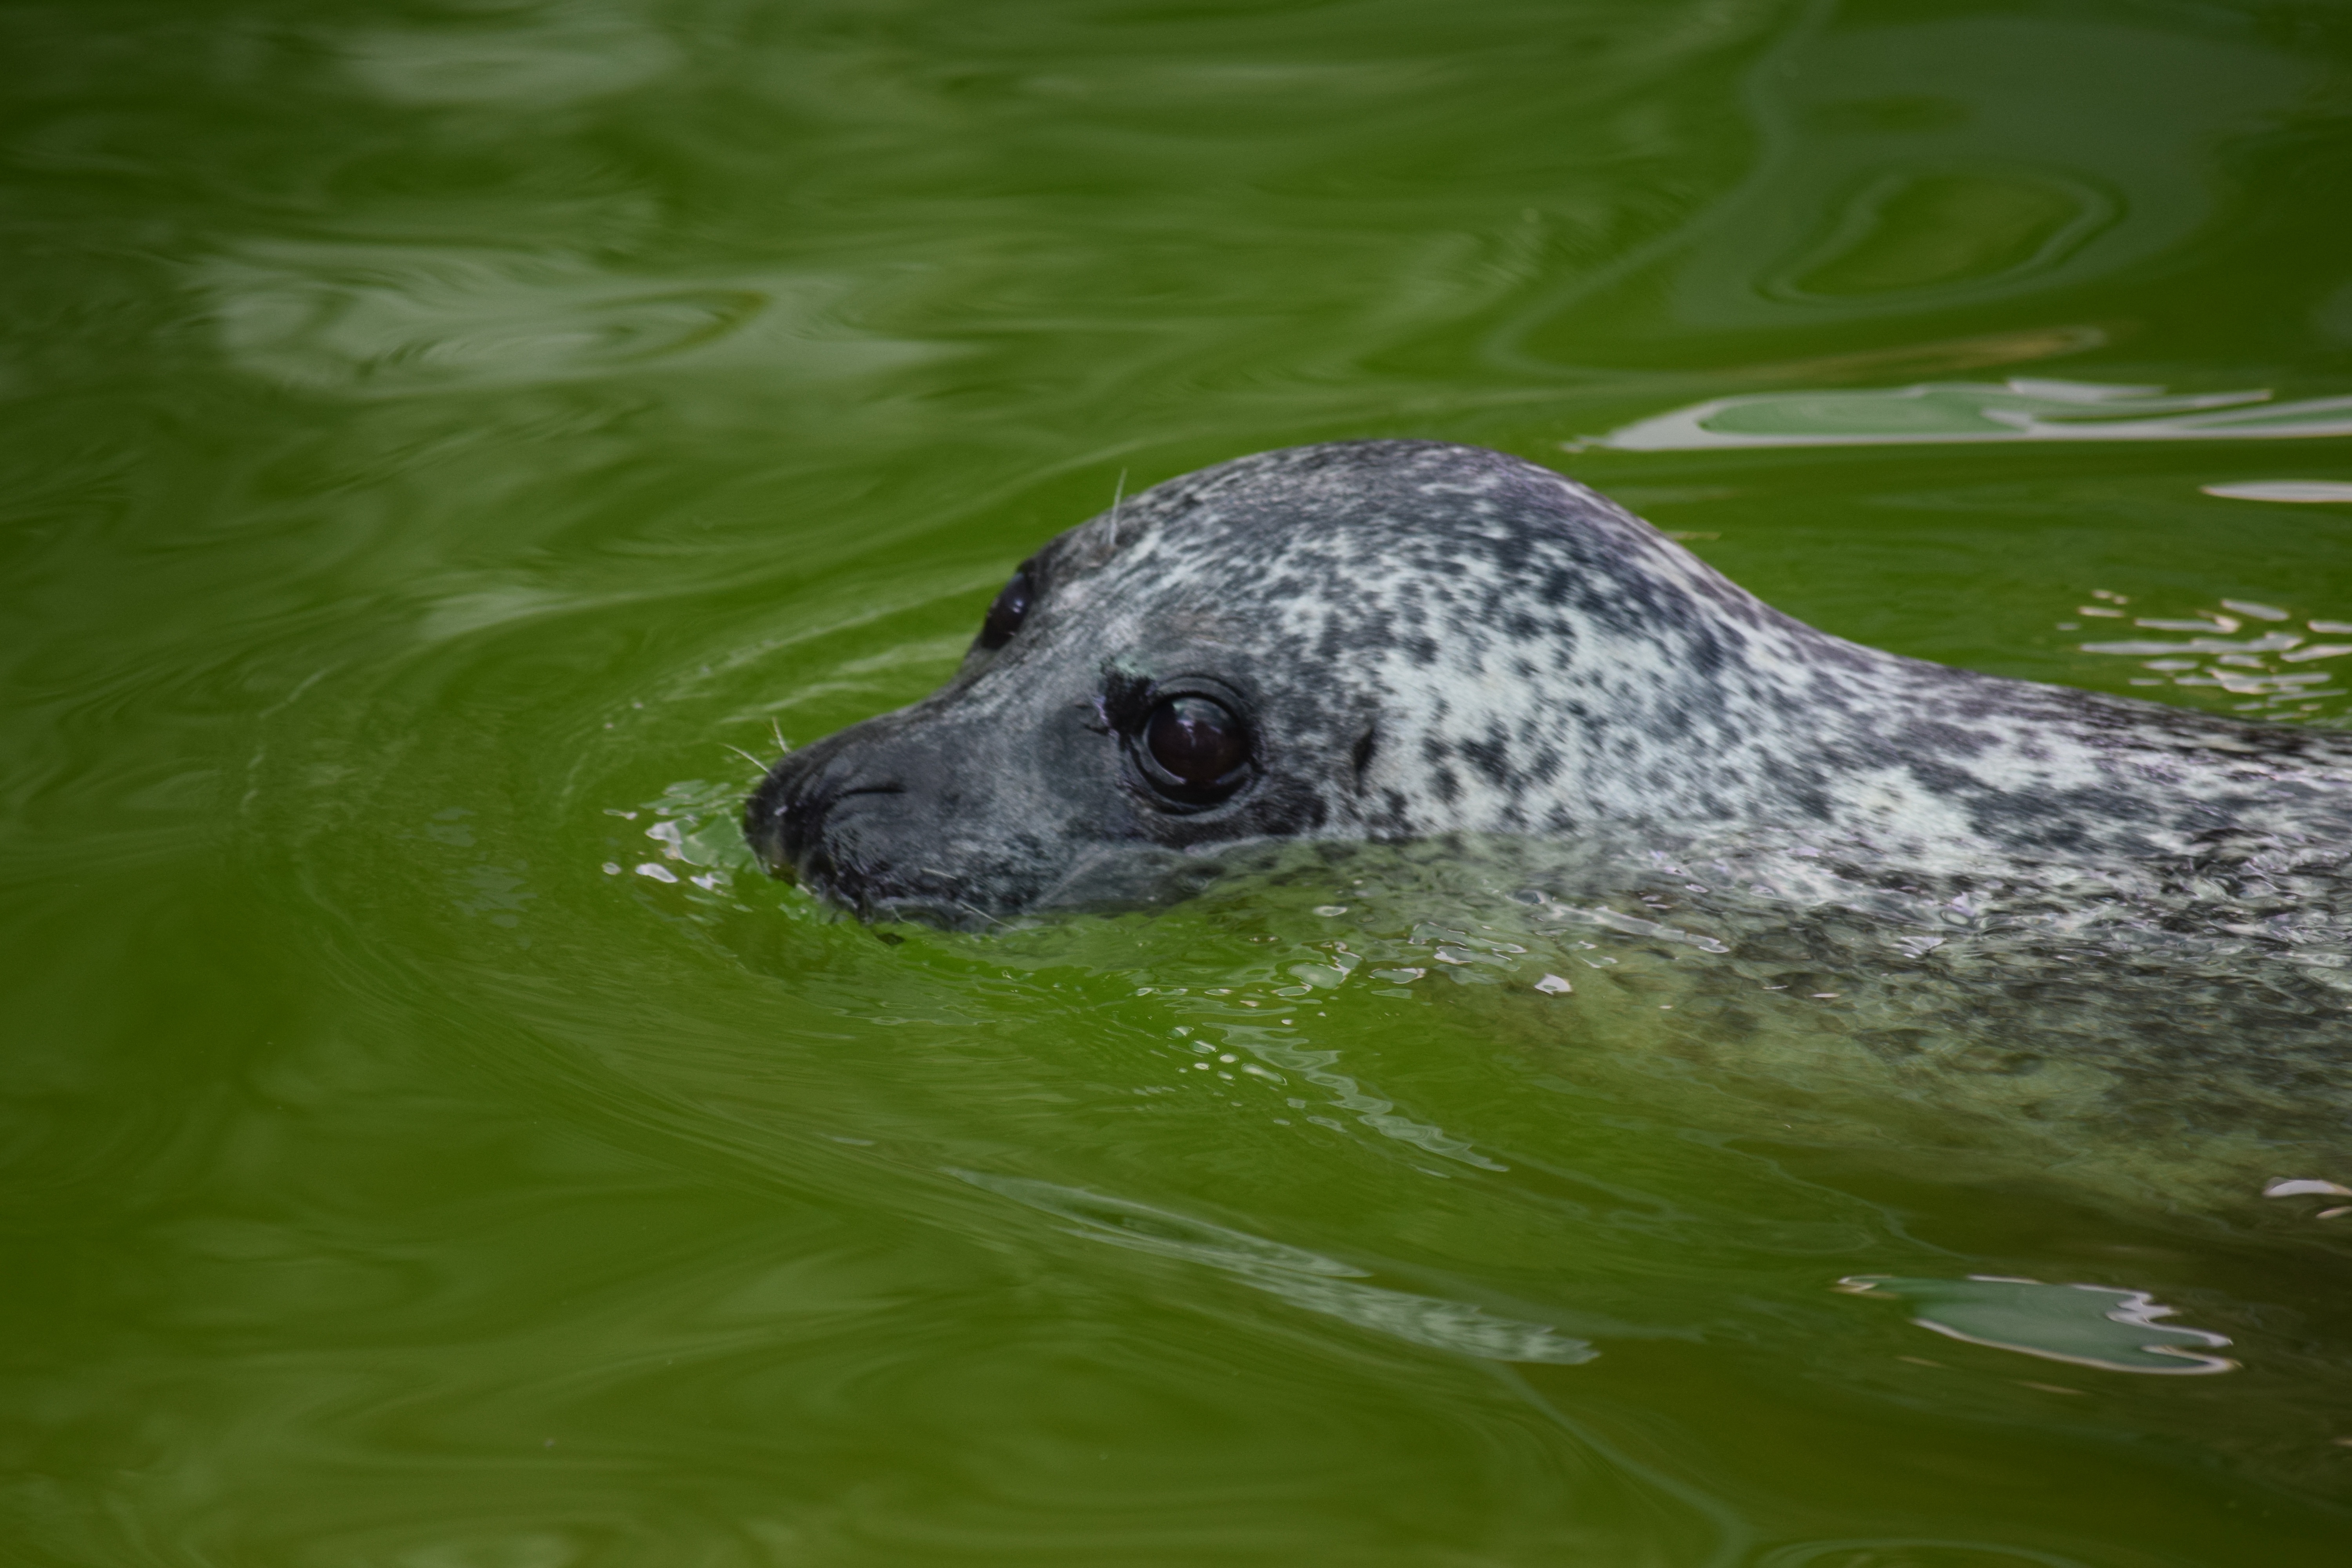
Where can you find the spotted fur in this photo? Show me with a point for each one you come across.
(1432, 638)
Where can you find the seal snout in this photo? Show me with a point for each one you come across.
(786, 818)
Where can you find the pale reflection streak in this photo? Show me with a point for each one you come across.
(2088, 1325)
(379, 319)
(534, 57)
(2294, 491)
(1303, 1279)
(2023, 409)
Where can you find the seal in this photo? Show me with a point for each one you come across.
(1397, 640)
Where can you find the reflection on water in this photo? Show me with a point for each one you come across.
(377, 319)
(2291, 490)
(1907, 164)
(2243, 657)
(2019, 409)
(1303, 1279)
(2090, 1325)
(1920, 231)
(507, 56)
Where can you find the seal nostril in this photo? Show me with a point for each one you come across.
(786, 822)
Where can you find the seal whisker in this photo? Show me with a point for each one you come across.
(983, 914)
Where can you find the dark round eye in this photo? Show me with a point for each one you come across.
(1006, 616)
(1199, 745)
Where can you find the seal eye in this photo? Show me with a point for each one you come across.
(1197, 749)
(1006, 616)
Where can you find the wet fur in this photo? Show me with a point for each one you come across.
(1434, 638)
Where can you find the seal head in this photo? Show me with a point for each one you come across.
(1400, 639)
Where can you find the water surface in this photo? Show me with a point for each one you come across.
(449, 446)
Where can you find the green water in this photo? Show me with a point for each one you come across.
(441, 441)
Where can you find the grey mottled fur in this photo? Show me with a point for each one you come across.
(1432, 640)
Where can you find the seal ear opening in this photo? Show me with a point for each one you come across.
(1362, 754)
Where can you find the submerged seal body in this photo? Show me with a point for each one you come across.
(1387, 640)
